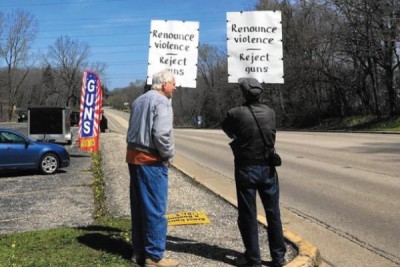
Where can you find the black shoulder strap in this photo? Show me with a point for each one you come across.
(276, 159)
(258, 125)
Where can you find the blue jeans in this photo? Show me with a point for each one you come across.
(148, 194)
(249, 180)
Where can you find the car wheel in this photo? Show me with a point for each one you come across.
(48, 163)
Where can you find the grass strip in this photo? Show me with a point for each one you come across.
(360, 123)
(100, 209)
(106, 243)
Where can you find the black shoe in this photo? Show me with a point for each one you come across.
(137, 260)
(242, 261)
(276, 263)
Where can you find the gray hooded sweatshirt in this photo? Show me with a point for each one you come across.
(150, 125)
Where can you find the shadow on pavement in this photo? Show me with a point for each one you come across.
(19, 173)
(110, 240)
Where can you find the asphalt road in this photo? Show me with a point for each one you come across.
(347, 183)
(343, 187)
(32, 201)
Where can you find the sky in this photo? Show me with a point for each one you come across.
(118, 31)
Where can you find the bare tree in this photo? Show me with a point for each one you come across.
(218, 96)
(2, 80)
(341, 57)
(68, 58)
(305, 27)
(387, 21)
(51, 92)
(99, 68)
(19, 32)
(119, 97)
(373, 44)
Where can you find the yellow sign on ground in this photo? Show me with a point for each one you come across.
(184, 218)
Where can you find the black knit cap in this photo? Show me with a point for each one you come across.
(251, 88)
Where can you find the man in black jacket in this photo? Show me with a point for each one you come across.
(253, 174)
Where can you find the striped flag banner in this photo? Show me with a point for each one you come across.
(90, 112)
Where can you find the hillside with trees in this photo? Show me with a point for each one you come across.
(341, 59)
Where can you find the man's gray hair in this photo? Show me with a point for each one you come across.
(160, 77)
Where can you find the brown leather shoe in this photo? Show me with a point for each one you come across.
(161, 263)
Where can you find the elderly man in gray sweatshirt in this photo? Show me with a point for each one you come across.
(149, 153)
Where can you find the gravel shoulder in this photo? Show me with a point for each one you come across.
(215, 244)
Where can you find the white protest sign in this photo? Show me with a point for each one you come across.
(255, 46)
(174, 47)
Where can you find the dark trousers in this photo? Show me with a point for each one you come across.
(249, 181)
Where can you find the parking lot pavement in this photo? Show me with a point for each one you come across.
(32, 201)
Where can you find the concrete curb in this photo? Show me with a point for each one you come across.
(308, 254)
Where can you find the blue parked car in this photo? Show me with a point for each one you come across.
(18, 152)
